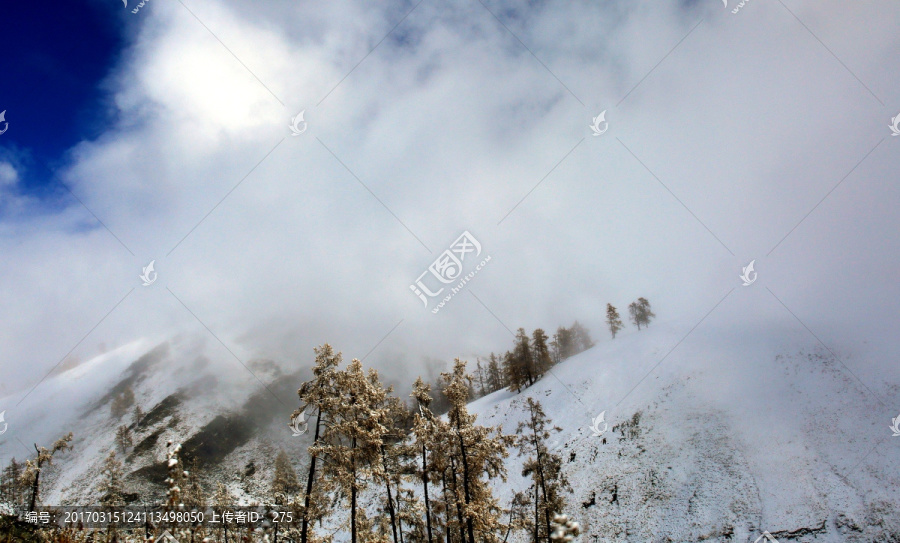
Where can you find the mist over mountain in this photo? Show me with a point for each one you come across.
(730, 435)
(193, 197)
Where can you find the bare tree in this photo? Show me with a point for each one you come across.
(33, 469)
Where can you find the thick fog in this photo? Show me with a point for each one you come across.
(761, 135)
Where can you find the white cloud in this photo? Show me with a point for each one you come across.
(8, 175)
(450, 122)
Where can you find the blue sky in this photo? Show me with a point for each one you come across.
(758, 135)
(54, 62)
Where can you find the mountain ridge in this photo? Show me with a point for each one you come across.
(714, 439)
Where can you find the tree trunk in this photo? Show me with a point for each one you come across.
(353, 496)
(459, 513)
(353, 512)
(509, 526)
(446, 506)
(446, 487)
(34, 490)
(35, 486)
(462, 448)
(397, 485)
(540, 466)
(304, 524)
(387, 484)
(546, 506)
(425, 485)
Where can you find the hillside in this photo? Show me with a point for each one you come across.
(729, 436)
(229, 424)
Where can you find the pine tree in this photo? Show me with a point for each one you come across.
(646, 313)
(410, 513)
(640, 312)
(478, 379)
(314, 395)
(440, 404)
(471, 382)
(124, 438)
(222, 501)
(519, 364)
(476, 454)
(519, 517)
(175, 484)
(554, 350)
(613, 321)
(32, 474)
(581, 338)
(424, 426)
(111, 487)
(544, 467)
(563, 343)
(393, 455)
(634, 313)
(540, 352)
(12, 490)
(121, 403)
(495, 376)
(284, 483)
(176, 477)
(351, 441)
(513, 373)
(138, 416)
(193, 497)
(524, 357)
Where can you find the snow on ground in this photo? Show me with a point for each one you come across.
(78, 401)
(714, 434)
(727, 437)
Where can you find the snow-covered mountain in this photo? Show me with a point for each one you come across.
(230, 420)
(728, 437)
(724, 437)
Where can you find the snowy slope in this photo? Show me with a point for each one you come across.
(713, 435)
(185, 394)
(733, 436)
